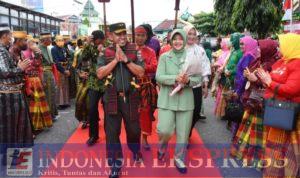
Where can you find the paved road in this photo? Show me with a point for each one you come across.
(213, 132)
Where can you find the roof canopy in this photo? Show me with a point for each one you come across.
(89, 10)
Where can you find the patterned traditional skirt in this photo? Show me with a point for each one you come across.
(283, 145)
(63, 95)
(220, 102)
(15, 126)
(81, 110)
(38, 106)
(148, 104)
(73, 84)
(50, 92)
(249, 142)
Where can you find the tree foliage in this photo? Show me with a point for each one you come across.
(257, 16)
(223, 11)
(205, 23)
(86, 22)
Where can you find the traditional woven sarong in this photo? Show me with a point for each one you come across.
(15, 126)
(38, 106)
(50, 90)
(81, 110)
(148, 104)
(283, 149)
(220, 102)
(249, 142)
(73, 84)
(63, 97)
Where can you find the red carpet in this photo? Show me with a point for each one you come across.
(76, 159)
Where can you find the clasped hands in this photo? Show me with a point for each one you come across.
(120, 55)
(182, 79)
(260, 73)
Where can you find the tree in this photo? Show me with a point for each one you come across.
(223, 11)
(258, 16)
(205, 23)
(86, 22)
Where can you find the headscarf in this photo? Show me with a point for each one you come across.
(289, 46)
(150, 34)
(188, 28)
(269, 55)
(207, 45)
(235, 40)
(250, 45)
(183, 34)
(225, 51)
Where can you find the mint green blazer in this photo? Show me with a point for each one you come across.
(169, 67)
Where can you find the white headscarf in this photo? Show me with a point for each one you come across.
(199, 53)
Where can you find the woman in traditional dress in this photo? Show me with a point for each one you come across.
(219, 78)
(230, 72)
(248, 144)
(283, 147)
(38, 106)
(251, 52)
(147, 89)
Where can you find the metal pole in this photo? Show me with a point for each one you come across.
(104, 17)
(177, 4)
(132, 20)
(176, 15)
(291, 20)
(89, 13)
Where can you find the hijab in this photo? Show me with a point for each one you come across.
(289, 46)
(250, 45)
(269, 55)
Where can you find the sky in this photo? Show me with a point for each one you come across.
(146, 11)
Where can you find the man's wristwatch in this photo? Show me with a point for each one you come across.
(128, 61)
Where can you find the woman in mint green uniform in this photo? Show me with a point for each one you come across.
(175, 112)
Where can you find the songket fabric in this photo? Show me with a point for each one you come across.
(15, 126)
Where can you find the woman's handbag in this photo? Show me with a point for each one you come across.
(280, 114)
(234, 111)
(255, 100)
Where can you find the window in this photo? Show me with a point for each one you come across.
(3, 10)
(14, 13)
(30, 17)
(23, 15)
(31, 28)
(48, 21)
(37, 25)
(42, 20)
(4, 19)
(14, 21)
(37, 18)
(23, 24)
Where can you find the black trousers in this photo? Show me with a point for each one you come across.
(112, 127)
(94, 97)
(198, 102)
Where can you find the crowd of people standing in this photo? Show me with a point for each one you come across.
(132, 80)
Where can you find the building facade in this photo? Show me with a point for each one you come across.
(28, 20)
(90, 19)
